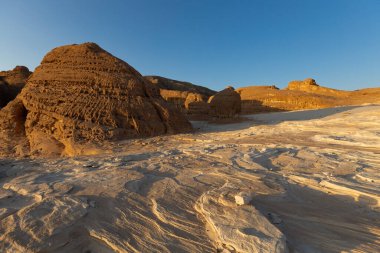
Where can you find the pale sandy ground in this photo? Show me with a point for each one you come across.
(314, 177)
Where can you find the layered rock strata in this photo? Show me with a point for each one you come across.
(187, 97)
(81, 93)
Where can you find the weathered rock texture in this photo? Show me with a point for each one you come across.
(301, 95)
(225, 104)
(238, 229)
(11, 83)
(309, 85)
(169, 84)
(81, 93)
(187, 97)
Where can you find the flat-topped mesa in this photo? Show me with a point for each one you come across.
(81, 93)
(256, 99)
(310, 85)
(11, 83)
(225, 104)
(306, 84)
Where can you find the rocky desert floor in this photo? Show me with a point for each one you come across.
(314, 178)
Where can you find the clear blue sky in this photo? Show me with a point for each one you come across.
(209, 42)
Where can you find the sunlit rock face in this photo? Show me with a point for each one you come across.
(269, 98)
(310, 85)
(300, 95)
(81, 93)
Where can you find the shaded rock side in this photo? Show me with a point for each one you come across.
(225, 104)
(11, 83)
(4, 90)
(81, 93)
(12, 129)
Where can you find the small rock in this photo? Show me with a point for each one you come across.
(243, 198)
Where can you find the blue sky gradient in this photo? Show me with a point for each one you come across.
(214, 43)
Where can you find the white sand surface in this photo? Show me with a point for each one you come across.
(314, 177)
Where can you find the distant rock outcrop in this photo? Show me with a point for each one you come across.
(188, 97)
(170, 84)
(11, 83)
(310, 85)
(81, 93)
(225, 104)
(257, 99)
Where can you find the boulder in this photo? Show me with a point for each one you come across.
(81, 93)
(225, 104)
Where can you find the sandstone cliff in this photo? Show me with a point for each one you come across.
(83, 94)
(269, 98)
(187, 97)
(301, 95)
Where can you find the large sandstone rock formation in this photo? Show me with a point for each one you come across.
(225, 104)
(81, 93)
(11, 83)
(187, 97)
(300, 95)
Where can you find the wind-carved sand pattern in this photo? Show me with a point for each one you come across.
(313, 175)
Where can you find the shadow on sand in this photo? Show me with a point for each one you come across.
(316, 222)
(272, 118)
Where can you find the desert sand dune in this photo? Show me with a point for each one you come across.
(313, 177)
